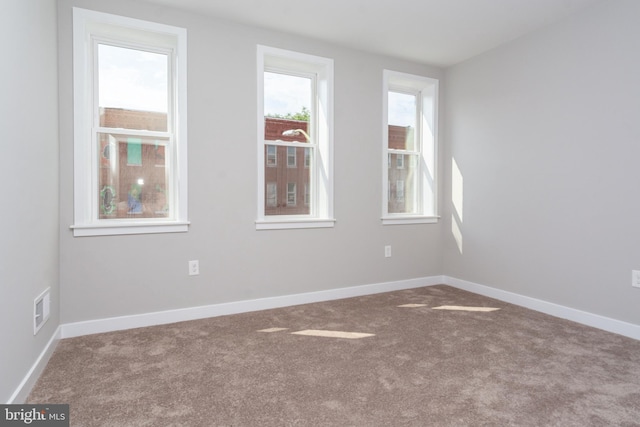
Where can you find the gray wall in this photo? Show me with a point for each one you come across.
(103, 277)
(29, 174)
(546, 135)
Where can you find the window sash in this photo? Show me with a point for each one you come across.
(168, 135)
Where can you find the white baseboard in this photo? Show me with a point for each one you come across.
(594, 320)
(25, 386)
(171, 316)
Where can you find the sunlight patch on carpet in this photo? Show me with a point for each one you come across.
(332, 334)
(273, 330)
(464, 308)
(412, 305)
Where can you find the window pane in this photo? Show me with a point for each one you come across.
(402, 184)
(132, 88)
(133, 180)
(287, 107)
(294, 182)
(402, 114)
(271, 158)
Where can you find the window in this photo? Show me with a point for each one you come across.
(130, 134)
(410, 148)
(291, 157)
(272, 194)
(295, 117)
(399, 193)
(272, 159)
(307, 195)
(291, 194)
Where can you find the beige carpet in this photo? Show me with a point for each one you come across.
(415, 366)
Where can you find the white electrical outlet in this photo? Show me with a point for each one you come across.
(635, 278)
(387, 251)
(194, 268)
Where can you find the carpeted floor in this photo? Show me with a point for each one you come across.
(420, 367)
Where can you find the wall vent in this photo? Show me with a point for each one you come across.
(41, 310)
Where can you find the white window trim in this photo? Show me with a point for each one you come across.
(322, 181)
(427, 140)
(86, 24)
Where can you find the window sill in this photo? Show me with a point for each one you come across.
(415, 219)
(113, 229)
(284, 224)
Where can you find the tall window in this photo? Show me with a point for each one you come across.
(291, 158)
(409, 135)
(295, 115)
(130, 126)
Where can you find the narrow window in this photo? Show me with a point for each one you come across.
(272, 194)
(307, 157)
(291, 157)
(410, 149)
(295, 118)
(291, 194)
(272, 159)
(307, 199)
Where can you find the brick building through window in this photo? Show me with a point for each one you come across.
(401, 170)
(133, 181)
(132, 174)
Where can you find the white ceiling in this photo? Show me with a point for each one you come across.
(436, 32)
